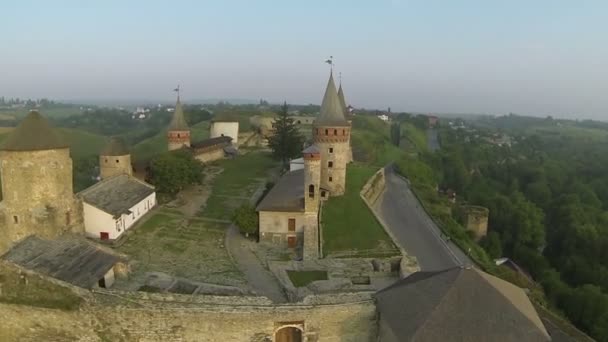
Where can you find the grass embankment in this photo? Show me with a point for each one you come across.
(234, 186)
(157, 144)
(303, 278)
(349, 225)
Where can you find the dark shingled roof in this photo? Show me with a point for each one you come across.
(332, 113)
(286, 195)
(178, 122)
(458, 304)
(116, 147)
(34, 133)
(312, 149)
(72, 260)
(212, 141)
(116, 195)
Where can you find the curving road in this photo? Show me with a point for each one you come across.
(413, 229)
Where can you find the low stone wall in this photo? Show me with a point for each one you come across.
(374, 187)
(107, 315)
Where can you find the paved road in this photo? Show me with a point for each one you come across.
(260, 279)
(413, 229)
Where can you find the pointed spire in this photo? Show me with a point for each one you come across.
(332, 112)
(178, 122)
(342, 100)
(34, 133)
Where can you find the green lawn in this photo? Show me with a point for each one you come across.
(303, 278)
(157, 144)
(239, 179)
(348, 224)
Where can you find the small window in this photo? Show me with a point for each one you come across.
(326, 132)
(343, 132)
(317, 131)
(68, 219)
(330, 164)
(331, 150)
(106, 160)
(311, 191)
(323, 194)
(291, 225)
(117, 161)
(335, 132)
(178, 135)
(330, 179)
(15, 219)
(222, 134)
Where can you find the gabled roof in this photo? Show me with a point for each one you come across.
(312, 149)
(286, 195)
(342, 100)
(116, 147)
(178, 122)
(459, 304)
(73, 260)
(116, 195)
(332, 112)
(34, 133)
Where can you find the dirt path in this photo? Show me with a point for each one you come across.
(191, 200)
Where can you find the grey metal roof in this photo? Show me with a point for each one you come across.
(312, 149)
(34, 133)
(219, 141)
(116, 147)
(459, 304)
(116, 195)
(178, 122)
(332, 112)
(73, 260)
(286, 195)
(342, 100)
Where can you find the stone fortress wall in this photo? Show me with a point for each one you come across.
(107, 315)
(224, 128)
(374, 187)
(37, 195)
(114, 165)
(334, 145)
(476, 219)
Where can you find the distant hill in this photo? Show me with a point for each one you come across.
(157, 144)
(82, 144)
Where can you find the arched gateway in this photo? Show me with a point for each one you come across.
(288, 333)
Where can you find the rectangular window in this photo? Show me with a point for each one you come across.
(330, 179)
(15, 219)
(291, 225)
(331, 150)
(330, 164)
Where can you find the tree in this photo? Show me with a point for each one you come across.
(491, 243)
(286, 140)
(246, 218)
(173, 171)
(396, 133)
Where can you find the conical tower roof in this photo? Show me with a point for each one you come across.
(116, 147)
(34, 133)
(331, 109)
(342, 100)
(178, 122)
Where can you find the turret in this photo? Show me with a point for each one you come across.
(347, 116)
(115, 159)
(178, 134)
(36, 172)
(331, 134)
(312, 178)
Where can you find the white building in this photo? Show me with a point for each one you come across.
(225, 129)
(113, 205)
(296, 164)
(383, 117)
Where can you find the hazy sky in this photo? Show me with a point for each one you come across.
(535, 57)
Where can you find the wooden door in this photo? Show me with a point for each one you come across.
(291, 241)
(104, 236)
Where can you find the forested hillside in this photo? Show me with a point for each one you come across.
(545, 183)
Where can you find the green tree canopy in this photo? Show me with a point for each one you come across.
(286, 141)
(175, 170)
(246, 218)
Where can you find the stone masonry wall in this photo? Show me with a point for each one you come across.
(374, 187)
(114, 165)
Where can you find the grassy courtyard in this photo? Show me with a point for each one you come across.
(303, 278)
(348, 224)
(191, 249)
(240, 178)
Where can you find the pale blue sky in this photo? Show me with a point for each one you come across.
(526, 56)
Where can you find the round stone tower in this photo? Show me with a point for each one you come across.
(178, 134)
(115, 159)
(312, 199)
(331, 134)
(36, 171)
(347, 117)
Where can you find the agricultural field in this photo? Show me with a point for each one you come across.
(187, 248)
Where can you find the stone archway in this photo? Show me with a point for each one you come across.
(288, 334)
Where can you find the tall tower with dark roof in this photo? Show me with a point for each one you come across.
(347, 117)
(331, 133)
(115, 159)
(178, 134)
(37, 193)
